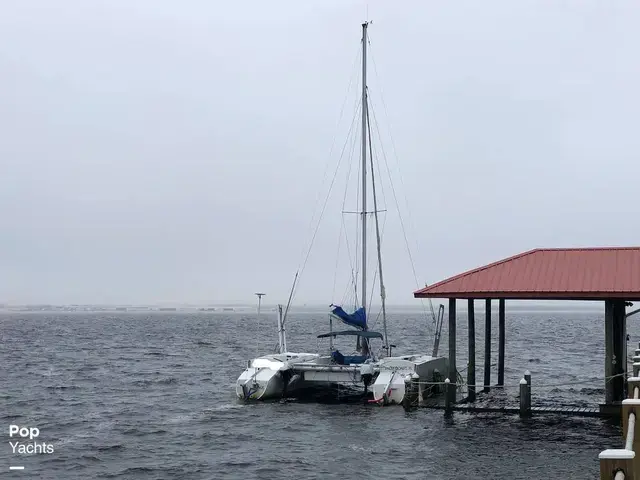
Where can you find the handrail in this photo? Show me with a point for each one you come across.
(623, 464)
(630, 431)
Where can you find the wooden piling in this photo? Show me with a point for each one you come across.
(632, 384)
(615, 350)
(487, 345)
(615, 460)
(501, 340)
(453, 372)
(471, 370)
(630, 412)
(448, 388)
(407, 387)
(525, 398)
(411, 391)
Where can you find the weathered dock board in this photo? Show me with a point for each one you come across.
(562, 410)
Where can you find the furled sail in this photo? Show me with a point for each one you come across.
(356, 319)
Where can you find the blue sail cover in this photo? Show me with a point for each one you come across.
(356, 319)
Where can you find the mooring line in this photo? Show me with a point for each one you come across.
(537, 385)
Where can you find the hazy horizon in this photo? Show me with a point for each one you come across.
(461, 305)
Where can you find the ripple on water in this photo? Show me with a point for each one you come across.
(134, 396)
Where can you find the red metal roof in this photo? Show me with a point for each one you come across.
(549, 274)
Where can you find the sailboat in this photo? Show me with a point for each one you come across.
(381, 377)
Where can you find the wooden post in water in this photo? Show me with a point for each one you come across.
(447, 397)
(615, 350)
(487, 345)
(453, 372)
(615, 460)
(471, 371)
(631, 407)
(501, 341)
(407, 400)
(632, 384)
(525, 398)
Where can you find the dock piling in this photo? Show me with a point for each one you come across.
(452, 346)
(406, 400)
(616, 460)
(622, 463)
(632, 384)
(630, 409)
(448, 388)
(487, 345)
(471, 370)
(411, 391)
(525, 397)
(501, 341)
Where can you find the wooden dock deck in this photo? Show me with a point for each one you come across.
(593, 411)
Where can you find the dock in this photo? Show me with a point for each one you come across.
(623, 463)
(601, 274)
(559, 410)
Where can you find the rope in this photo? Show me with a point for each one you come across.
(324, 206)
(433, 314)
(549, 385)
(343, 227)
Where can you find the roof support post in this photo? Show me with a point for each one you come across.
(453, 372)
(608, 351)
(501, 339)
(487, 345)
(615, 350)
(471, 370)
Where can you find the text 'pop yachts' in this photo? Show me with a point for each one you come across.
(27, 448)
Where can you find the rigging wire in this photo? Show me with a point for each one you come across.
(343, 228)
(406, 241)
(324, 206)
(374, 155)
(306, 257)
(358, 260)
(352, 280)
(335, 137)
(384, 105)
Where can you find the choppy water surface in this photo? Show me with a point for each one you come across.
(150, 396)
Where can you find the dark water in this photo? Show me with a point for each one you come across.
(151, 397)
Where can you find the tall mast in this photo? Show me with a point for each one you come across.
(383, 294)
(364, 166)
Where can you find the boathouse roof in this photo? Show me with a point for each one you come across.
(549, 274)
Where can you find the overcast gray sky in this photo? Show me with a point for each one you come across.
(156, 150)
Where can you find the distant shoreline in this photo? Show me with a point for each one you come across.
(514, 306)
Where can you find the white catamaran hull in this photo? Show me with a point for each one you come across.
(389, 386)
(265, 377)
